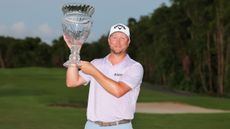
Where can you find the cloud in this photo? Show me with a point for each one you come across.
(18, 28)
(2, 29)
(45, 30)
(21, 30)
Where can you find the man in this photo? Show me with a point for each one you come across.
(114, 83)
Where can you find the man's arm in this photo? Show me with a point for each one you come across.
(117, 89)
(73, 79)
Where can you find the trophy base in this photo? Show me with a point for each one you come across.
(69, 62)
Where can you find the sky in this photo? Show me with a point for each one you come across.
(42, 18)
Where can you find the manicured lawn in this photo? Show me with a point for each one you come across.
(149, 95)
(36, 98)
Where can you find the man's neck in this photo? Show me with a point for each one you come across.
(116, 58)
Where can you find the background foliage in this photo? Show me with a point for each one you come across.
(185, 46)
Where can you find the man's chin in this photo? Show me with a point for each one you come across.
(118, 52)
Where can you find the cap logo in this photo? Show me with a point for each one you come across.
(119, 27)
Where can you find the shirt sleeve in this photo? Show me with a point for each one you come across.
(85, 76)
(133, 75)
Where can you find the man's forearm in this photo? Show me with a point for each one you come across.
(115, 88)
(72, 76)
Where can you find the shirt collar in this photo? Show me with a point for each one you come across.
(127, 57)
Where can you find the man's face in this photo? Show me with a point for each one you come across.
(118, 42)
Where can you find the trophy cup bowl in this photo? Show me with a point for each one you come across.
(76, 26)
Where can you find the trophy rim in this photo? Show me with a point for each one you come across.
(78, 8)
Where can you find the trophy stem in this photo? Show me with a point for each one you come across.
(74, 57)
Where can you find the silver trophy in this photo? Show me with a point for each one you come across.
(76, 26)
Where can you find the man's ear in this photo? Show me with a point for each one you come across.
(108, 40)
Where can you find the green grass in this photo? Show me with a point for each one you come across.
(148, 95)
(29, 99)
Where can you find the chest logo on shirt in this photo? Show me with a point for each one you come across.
(118, 74)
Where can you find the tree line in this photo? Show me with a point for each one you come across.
(185, 46)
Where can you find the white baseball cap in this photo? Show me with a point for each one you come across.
(119, 28)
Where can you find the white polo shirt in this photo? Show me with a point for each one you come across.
(103, 106)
